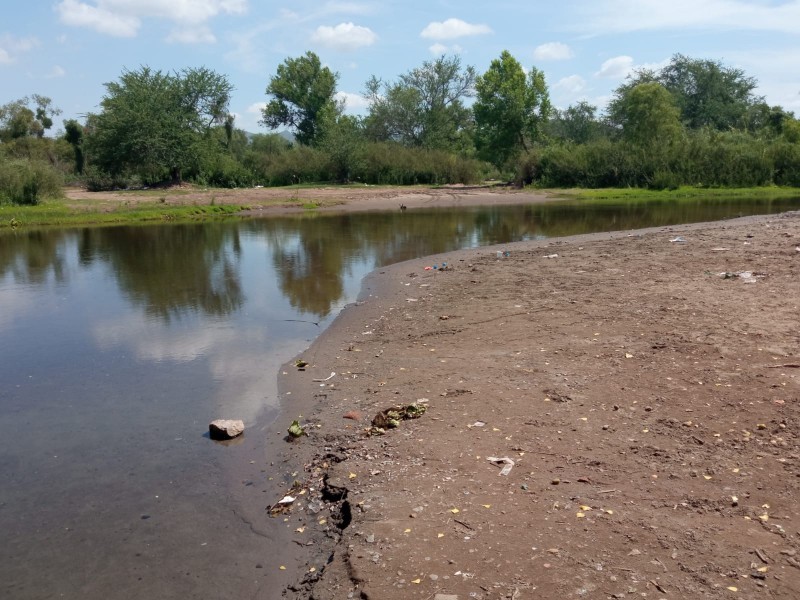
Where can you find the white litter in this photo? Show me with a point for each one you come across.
(507, 462)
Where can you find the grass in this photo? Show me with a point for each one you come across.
(683, 192)
(59, 214)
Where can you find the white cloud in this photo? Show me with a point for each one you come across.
(552, 51)
(11, 46)
(344, 37)
(452, 29)
(352, 102)
(77, 14)
(255, 108)
(770, 67)
(56, 72)
(616, 68)
(195, 35)
(574, 84)
(123, 18)
(618, 16)
(438, 49)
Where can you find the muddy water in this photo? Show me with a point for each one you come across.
(119, 345)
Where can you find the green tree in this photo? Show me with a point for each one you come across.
(651, 117)
(73, 133)
(154, 123)
(706, 93)
(341, 138)
(424, 107)
(791, 132)
(577, 123)
(26, 117)
(709, 94)
(301, 90)
(511, 109)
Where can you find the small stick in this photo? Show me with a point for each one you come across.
(760, 554)
(464, 524)
(607, 491)
(658, 586)
(786, 366)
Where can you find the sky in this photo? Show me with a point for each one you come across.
(68, 49)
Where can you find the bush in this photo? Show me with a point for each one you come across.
(785, 159)
(97, 180)
(224, 171)
(392, 164)
(664, 180)
(28, 181)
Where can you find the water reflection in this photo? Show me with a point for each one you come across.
(169, 270)
(31, 257)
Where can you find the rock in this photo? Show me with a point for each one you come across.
(225, 429)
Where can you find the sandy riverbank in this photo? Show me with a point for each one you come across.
(650, 407)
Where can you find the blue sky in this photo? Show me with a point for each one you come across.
(67, 49)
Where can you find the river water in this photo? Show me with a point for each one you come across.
(118, 345)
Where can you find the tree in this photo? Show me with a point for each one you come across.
(577, 123)
(650, 116)
(511, 109)
(425, 107)
(154, 123)
(341, 138)
(706, 93)
(301, 90)
(709, 94)
(73, 133)
(26, 117)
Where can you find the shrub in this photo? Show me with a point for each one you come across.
(225, 171)
(28, 181)
(97, 180)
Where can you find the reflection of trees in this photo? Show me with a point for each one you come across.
(312, 254)
(171, 269)
(31, 255)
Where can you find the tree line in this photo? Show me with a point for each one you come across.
(692, 122)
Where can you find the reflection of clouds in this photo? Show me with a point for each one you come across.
(16, 302)
(243, 363)
(151, 340)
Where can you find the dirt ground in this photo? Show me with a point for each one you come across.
(648, 401)
(266, 201)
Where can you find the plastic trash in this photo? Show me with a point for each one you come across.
(507, 463)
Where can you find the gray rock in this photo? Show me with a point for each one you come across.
(225, 429)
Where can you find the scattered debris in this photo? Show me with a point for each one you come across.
(551, 255)
(745, 276)
(507, 462)
(296, 430)
(391, 417)
(284, 505)
(300, 364)
(328, 378)
(678, 240)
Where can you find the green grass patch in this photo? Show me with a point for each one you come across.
(58, 214)
(683, 192)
